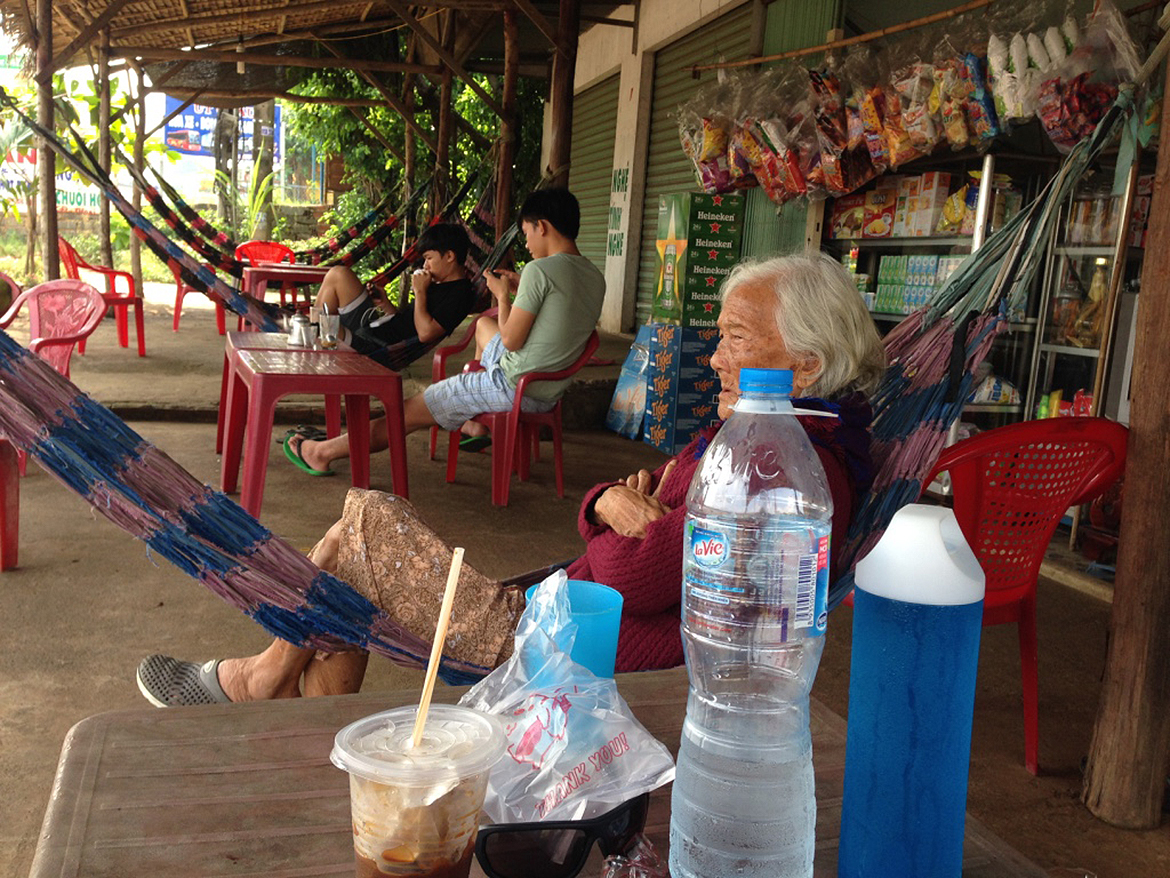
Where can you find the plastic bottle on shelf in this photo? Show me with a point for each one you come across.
(755, 584)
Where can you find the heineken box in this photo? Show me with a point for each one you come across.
(682, 390)
(697, 246)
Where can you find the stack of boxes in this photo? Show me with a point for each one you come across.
(905, 283)
(897, 207)
(682, 393)
(698, 244)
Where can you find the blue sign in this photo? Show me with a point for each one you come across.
(192, 132)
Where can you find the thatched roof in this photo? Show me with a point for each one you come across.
(277, 38)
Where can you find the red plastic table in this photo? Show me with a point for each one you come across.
(267, 341)
(259, 378)
(9, 504)
(256, 277)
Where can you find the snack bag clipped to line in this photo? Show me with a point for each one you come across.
(575, 750)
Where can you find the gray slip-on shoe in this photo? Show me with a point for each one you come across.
(168, 682)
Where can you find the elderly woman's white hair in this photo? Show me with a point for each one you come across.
(819, 312)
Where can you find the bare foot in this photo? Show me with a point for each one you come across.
(252, 679)
(310, 452)
(473, 428)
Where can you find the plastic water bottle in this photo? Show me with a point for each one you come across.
(755, 582)
(917, 615)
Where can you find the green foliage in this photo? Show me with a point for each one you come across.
(249, 209)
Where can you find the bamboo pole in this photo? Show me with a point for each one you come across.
(441, 186)
(391, 99)
(850, 41)
(507, 155)
(564, 66)
(222, 57)
(445, 54)
(265, 94)
(1125, 777)
(98, 25)
(140, 164)
(104, 150)
(378, 135)
(46, 158)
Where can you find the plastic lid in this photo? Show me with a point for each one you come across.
(456, 740)
(765, 381)
(923, 558)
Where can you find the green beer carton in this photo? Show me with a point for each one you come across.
(698, 244)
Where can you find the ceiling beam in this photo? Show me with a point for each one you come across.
(268, 94)
(446, 57)
(83, 38)
(379, 136)
(391, 99)
(260, 60)
(543, 25)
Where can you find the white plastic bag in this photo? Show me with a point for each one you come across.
(574, 750)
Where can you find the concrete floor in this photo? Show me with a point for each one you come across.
(88, 602)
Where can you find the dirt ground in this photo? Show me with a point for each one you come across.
(88, 602)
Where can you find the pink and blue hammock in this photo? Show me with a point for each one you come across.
(204, 533)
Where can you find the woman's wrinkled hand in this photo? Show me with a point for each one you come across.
(629, 507)
(627, 510)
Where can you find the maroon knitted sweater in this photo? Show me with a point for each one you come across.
(648, 571)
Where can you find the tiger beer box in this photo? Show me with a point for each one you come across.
(682, 392)
(697, 245)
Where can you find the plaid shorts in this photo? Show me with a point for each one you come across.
(461, 397)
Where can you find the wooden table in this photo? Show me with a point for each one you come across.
(256, 277)
(259, 377)
(248, 789)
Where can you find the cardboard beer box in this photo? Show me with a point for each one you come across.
(682, 390)
(698, 243)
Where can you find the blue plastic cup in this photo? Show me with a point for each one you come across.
(597, 610)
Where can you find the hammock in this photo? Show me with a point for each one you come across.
(202, 532)
(311, 256)
(934, 351)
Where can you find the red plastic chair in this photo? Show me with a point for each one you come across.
(256, 252)
(181, 290)
(121, 296)
(1011, 486)
(440, 357)
(516, 433)
(61, 313)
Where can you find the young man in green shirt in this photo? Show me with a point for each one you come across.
(558, 301)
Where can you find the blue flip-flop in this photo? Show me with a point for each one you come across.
(294, 455)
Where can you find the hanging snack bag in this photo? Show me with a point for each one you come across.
(979, 107)
(914, 84)
(1002, 78)
(844, 169)
(950, 91)
(743, 154)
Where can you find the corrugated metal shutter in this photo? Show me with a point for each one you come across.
(594, 133)
(667, 167)
(791, 24)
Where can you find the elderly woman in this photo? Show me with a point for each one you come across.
(797, 312)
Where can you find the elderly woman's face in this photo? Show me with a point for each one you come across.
(748, 337)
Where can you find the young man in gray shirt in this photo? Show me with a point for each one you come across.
(558, 301)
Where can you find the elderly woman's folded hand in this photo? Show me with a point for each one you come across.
(627, 511)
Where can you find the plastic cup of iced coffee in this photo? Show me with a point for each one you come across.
(416, 810)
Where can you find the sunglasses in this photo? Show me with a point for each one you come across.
(557, 848)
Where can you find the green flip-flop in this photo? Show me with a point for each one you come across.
(294, 455)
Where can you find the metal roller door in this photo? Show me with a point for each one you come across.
(594, 132)
(667, 168)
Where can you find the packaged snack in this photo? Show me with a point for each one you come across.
(848, 217)
(878, 218)
(914, 84)
(979, 107)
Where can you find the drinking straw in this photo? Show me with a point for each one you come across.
(424, 702)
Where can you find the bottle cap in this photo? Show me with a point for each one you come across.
(765, 381)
